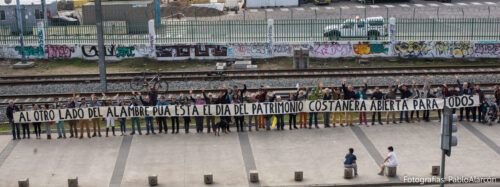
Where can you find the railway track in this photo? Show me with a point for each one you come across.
(13, 80)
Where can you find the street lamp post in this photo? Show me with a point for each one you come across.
(20, 27)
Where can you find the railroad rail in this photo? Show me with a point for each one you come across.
(253, 74)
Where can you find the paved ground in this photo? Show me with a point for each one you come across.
(181, 160)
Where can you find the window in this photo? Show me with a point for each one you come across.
(38, 14)
(2, 15)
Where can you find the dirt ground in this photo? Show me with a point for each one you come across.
(78, 66)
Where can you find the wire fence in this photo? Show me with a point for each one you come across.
(239, 31)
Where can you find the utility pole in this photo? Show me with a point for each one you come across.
(20, 27)
(101, 52)
(44, 10)
(157, 13)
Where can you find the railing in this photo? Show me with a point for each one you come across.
(238, 31)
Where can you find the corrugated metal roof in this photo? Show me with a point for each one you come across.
(27, 2)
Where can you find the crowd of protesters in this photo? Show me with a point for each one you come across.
(235, 95)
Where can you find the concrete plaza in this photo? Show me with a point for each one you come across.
(182, 159)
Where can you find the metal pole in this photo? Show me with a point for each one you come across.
(157, 13)
(44, 17)
(101, 52)
(413, 13)
(437, 12)
(20, 27)
(442, 168)
(489, 11)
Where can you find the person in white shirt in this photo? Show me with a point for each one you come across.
(390, 161)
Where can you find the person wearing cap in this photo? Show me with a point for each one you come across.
(199, 119)
(96, 122)
(261, 97)
(162, 121)
(302, 115)
(135, 120)
(315, 95)
(209, 100)
(349, 94)
(280, 124)
(361, 95)
(149, 119)
(336, 95)
(175, 119)
(325, 95)
(84, 123)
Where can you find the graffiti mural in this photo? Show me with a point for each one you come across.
(251, 50)
(59, 51)
(332, 50)
(125, 51)
(31, 51)
(411, 49)
(111, 51)
(368, 48)
(487, 48)
(91, 50)
(286, 49)
(186, 50)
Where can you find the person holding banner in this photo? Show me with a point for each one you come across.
(25, 126)
(96, 122)
(47, 124)
(186, 101)
(224, 123)
(11, 109)
(83, 122)
(199, 119)
(426, 95)
(377, 95)
(61, 132)
(292, 117)
(149, 119)
(361, 95)
(261, 97)
(302, 115)
(336, 95)
(497, 99)
(463, 90)
(72, 123)
(415, 95)
(326, 95)
(405, 95)
(123, 121)
(479, 92)
(208, 100)
(162, 121)
(238, 120)
(252, 99)
(391, 95)
(175, 119)
(36, 125)
(315, 95)
(109, 120)
(280, 119)
(135, 120)
(349, 94)
(269, 116)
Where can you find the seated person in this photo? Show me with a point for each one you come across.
(350, 161)
(390, 161)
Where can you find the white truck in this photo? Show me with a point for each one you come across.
(371, 28)
(231, 5)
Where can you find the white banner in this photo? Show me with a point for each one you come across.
(271, 108)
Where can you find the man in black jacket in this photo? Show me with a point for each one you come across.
(11, 109)
(377, 95)
(405, 94)
(349, 94)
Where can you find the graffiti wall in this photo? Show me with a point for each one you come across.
(404, 49)
(447, 49)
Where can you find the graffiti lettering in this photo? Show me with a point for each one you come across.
(488, 48)
(332, 50)
(31, 51)
(91, 50)
(185, 51)
(125, 51)
(366, 49)
(411, 49)
(59, 51)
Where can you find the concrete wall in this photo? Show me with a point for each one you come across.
(405, 49)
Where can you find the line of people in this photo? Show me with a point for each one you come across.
(237, 96)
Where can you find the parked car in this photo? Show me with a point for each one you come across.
(371, 28)
(231, 5)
